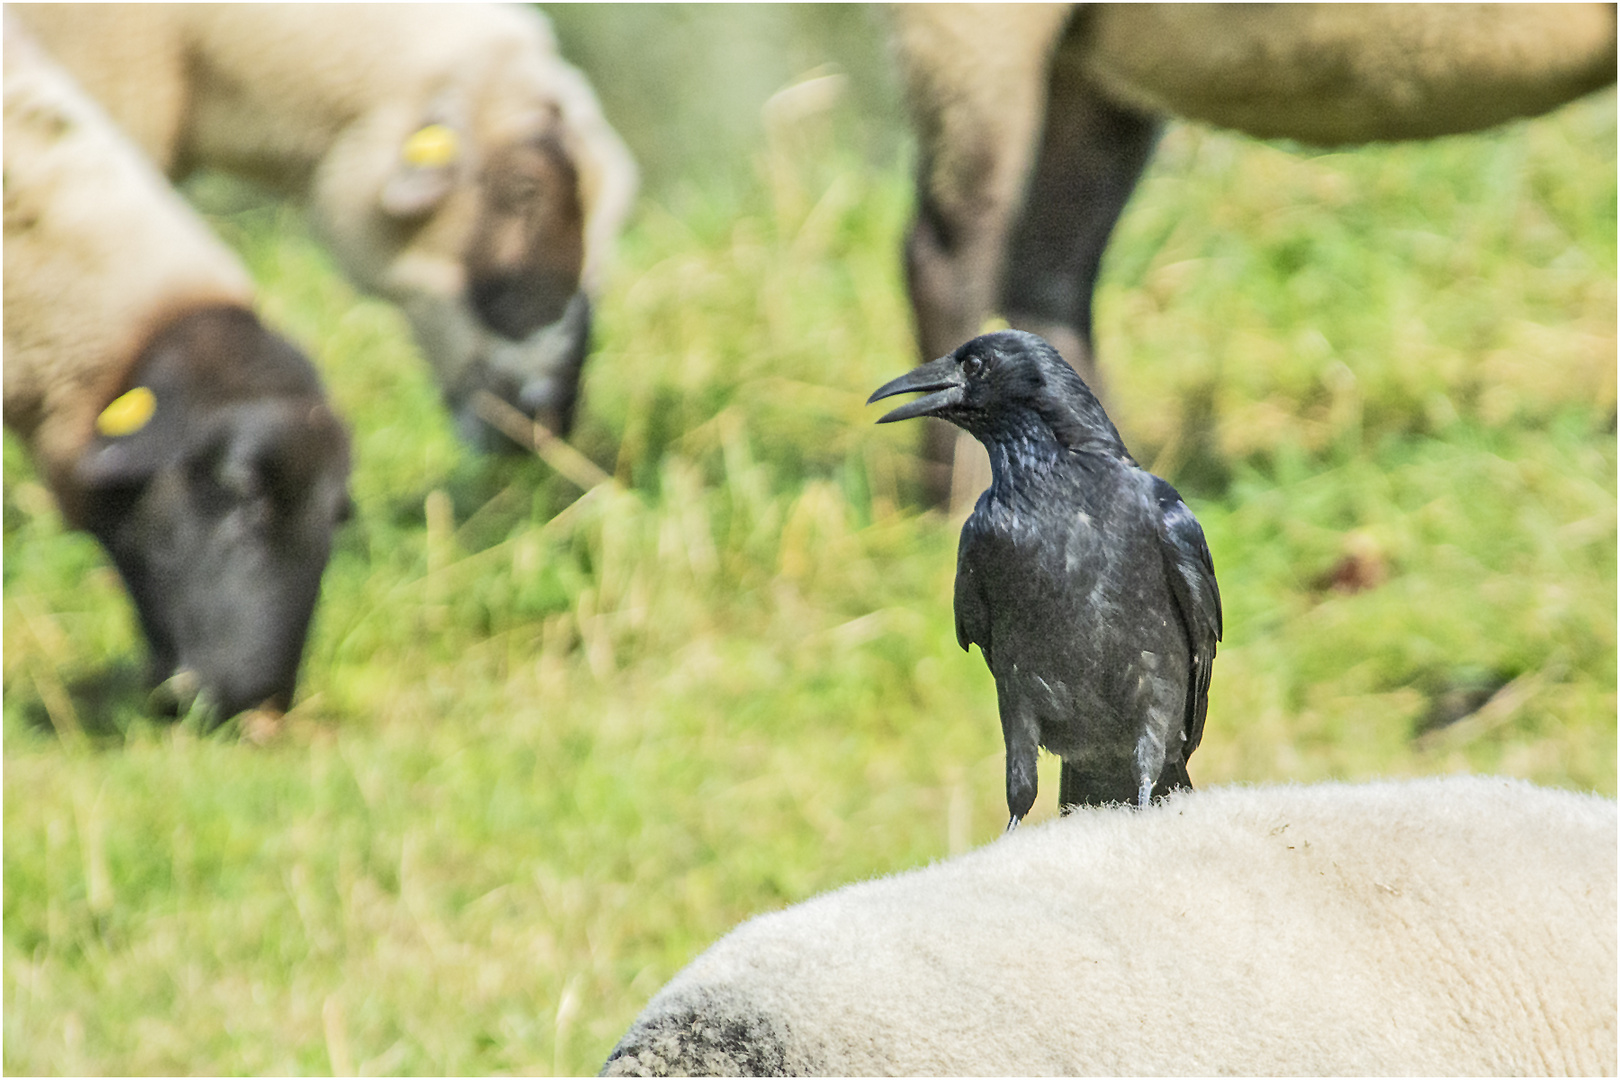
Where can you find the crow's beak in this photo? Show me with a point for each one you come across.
(941, 376)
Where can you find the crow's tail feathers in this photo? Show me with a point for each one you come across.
(1079, 786)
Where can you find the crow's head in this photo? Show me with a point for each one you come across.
(1002, 385)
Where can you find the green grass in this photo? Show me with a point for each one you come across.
(547, 751)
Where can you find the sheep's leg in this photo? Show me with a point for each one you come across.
(1092, 153)
(975, 80)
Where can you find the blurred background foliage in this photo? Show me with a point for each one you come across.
(547, 748)
(686, 84)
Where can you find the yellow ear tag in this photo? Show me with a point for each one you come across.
(994, 323)
(128, 413)
(431, 147)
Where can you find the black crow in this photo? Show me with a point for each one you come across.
(1083, 578)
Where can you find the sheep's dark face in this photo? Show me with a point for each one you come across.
(523, 262)
(528, 247)
(480, 227)
(220, 507)
(490, 274)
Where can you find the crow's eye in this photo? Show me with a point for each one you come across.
(972, 366)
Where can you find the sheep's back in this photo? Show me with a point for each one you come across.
(99, 253)
(1438, 926)
(1332, 74)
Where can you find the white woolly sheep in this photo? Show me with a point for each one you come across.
(1034, 123)
(1439, 927)
(451, 159)
(193, 443)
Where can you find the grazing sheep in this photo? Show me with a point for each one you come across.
(1035, 122)
(1442, 927)
(454, 163)
(193, 443)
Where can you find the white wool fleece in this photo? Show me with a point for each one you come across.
(99, 254)
(307, 79)
(1442, 926)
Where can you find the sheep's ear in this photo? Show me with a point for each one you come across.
(135, 436)
(429, 160)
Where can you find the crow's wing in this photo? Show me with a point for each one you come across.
(1192, 581)
(972, 605)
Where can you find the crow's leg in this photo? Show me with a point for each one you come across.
(1021, 782)
(1150, 756)
(1092, 153)
(1022, 734)
(975, 85)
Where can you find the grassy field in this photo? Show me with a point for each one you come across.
(548, 748)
